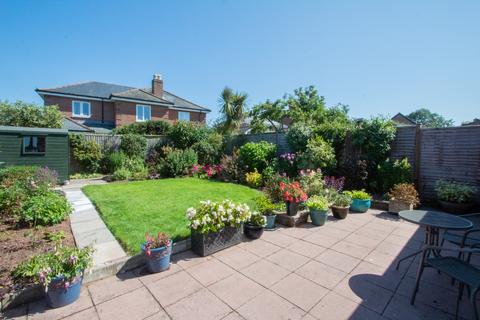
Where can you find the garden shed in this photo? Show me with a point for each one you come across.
(35, 147)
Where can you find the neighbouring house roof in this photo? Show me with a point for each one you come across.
(108, 91)
(403, 120)
(74, 126)
(475, 122)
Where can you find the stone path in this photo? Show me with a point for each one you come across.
(343, 270)
(89, 229)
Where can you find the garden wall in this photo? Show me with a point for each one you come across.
(448, 153)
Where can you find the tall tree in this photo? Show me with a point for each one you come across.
(268, 116)
(430, 119)
(232, 109)
(22, 114)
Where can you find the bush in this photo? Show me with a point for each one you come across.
(257, 155)
(17, 173)
(231, 170)
(298, 135)
(209, 150)
(177, 162)
(45, 208)
(114, 161)
(311, 181)
(404, 192)
(318, 154)
(264, 205)
(151, 127)
(452, 191)
(121, 174)
(21, 114)
(185, 134)
(134, 145)
(87, 152)
(253, 179)
(391, 173)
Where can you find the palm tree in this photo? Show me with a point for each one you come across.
(232, 107)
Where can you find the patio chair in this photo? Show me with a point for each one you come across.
(465, 239)
(457, 268)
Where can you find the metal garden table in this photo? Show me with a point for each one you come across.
(433, 222)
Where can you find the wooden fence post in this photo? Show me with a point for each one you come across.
(418, 148)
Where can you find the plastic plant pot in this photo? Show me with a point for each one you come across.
(318, 217)
(359, 205)
(58, 295)
(270, 221)
(159, 258)
(252, 231)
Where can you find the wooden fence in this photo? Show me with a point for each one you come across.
(440, 153)
(112, 142)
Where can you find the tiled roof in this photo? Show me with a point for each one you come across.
(102, 90)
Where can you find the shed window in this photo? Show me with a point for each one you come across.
(33, 145)
(81, 109)
(143, 113)
(183, 116)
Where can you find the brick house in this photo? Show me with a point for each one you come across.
(103, 106)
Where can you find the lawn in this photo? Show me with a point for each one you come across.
(132, 208)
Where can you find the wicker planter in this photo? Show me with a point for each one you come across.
(395, 206)
(206, 244)
(340, 212)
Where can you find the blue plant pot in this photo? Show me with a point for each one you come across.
(159, 258)
(58, 296)
(270, 221)
(318, 217)
(360, 205)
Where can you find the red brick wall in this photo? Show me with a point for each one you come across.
(126, 113)
(65, 105)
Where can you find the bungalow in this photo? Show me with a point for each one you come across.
(104, 106)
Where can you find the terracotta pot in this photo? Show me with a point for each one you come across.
(340, 212)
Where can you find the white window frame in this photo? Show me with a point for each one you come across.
(143, 107)
(81, 114)
(183, 113)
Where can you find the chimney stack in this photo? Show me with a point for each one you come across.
(157, 85)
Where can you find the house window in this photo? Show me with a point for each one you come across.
(81, 109)
(33, 145)
(183, 116)
(144, 113)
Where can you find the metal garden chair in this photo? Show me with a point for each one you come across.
(465, 239)
(458, 268)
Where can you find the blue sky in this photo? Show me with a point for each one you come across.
(378, 57)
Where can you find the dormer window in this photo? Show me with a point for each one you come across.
(81, 109)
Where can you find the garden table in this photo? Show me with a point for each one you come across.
(433, 222)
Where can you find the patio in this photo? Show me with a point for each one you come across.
(343, 270)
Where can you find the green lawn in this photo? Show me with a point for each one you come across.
(132, 208)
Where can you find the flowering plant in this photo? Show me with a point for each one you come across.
(212, 216)
(254, 178)
(162, 240)
(292, 192)
(288, 163)
(311, 181)
(257, 219)
(206, 171)
(65, 265)
(334, 183)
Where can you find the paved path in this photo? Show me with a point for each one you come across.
(89, 229)
(343, 270)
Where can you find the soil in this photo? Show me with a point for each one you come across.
(18, 244)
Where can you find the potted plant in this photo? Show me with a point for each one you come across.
(253, 228)
(157, 251)
(341, 205)
(318, 207)
(266, 207)
(59, 272)
(361, 201)
(292, 195)
(403, 196)
(454, 196)
(217, 225)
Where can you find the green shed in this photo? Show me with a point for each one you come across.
(35, 147)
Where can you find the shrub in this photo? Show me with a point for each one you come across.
(86, 152)
(257, 155)
(311, 181)
(177, 162)
(212, 216)
(121, 174)
(17, 173)
(134, 145)
(231, 170)
(318, 154)
(391, 173)
(114, 161)
(298, 135)
(151, 127)
(404, 192)
(209, 150)
(21, 114)
(264, 205)
(66, 262)
(452, 191)
(185, 134)
(358, 194)
(45, 208)
(206, 171)
(317, 203)
(254, 178)
(12, 197)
